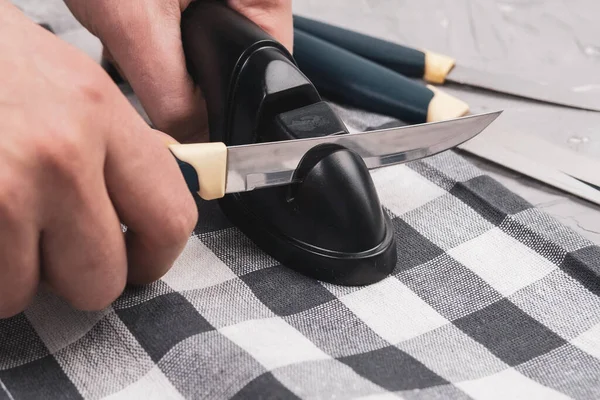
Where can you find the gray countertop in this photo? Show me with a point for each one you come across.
(545, 40)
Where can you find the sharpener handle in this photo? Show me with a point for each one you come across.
(414, 63)
(217, 41)
(247, 77)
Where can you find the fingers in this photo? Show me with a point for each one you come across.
(82, 245)
(76, 160)
(144, 39)
(273, 16)
(150, 195)
(19, 261)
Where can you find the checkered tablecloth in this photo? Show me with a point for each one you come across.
(490, 299)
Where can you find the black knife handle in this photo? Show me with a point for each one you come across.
(408, 61)
(343, 76)
(246, 76)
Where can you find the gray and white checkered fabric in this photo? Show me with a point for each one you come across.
(490, 299)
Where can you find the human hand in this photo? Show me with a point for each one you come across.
(143, 40)
(76, 160)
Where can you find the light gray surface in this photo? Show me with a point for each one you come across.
(546, 40)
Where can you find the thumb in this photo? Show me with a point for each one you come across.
(143, 39)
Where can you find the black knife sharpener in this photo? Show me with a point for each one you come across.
(330, 225)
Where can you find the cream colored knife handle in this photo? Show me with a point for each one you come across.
(443, 106)
(204, 167)
(437, 67)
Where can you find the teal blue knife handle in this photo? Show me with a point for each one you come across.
(405, 60)
(345, 77)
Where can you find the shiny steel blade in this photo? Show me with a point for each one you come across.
(515, 86)
(272, 164)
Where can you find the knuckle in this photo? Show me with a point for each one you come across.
(121, 25)
(15, 302)
(9, 309)
(92, 286)
(88, 84)
(88, 304)
(7, 206)
(60, 154)
(150, 275)
(180, 117)
(175, 112)
(261, 4)
(178, 228)
(91, 89)
(101, 297)
(12, 195)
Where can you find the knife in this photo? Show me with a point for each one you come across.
(540, 160)
(349, 78)
(355, 80)
(213, 169)
(518, 162)
(437, 68)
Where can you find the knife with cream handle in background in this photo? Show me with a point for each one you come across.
(438, 69)
(214, 169)
(362, 71)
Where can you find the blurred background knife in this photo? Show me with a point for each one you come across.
(437, 68)
(375, 75)
(541, 160)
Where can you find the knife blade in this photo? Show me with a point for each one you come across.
(540, 160)
(495, 151)
(515, 86)
(438, 69)
(213, 169)
(569, 162)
